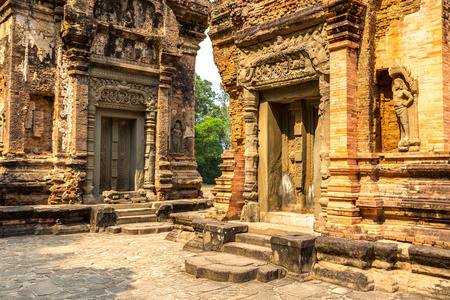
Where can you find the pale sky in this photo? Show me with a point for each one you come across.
(205, 66)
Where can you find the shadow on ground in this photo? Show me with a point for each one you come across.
(37, 273)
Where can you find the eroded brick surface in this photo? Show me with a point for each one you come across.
(97, 96)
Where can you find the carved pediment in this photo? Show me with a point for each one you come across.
(289, 59)
(142, 14)
(117, 94)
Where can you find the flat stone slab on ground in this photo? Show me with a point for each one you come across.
(111, 266)
(141, 228)
(229, 267)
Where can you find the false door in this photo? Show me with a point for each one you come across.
(117, 164)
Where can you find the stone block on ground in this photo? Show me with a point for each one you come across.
(114, 229)
(102, 217)
(228, 267)
(194, 245)
(186, 218)
(163, 211)
(146, 228)
(254, 239)
(385, 254)
(294, 251)
(350, 277)
(16, 212)
(216, 234)
(359, 254)
(248, 250)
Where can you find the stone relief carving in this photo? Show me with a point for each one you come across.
(121, 94)
(176, 137)
(405, 91)
(143, 15)
(298, 56)
(118, 48)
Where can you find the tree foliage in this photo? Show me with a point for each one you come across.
(212, 129)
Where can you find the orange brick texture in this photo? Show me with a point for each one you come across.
(375, 191)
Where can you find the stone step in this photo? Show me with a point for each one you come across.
(134, 212)
(275, 229)
(136, 219)
(254, 239)
(233, 268)
(248, 250)
(289, 219)
(131, 205)
(146, 228)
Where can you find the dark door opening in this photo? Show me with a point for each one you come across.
(117, 164)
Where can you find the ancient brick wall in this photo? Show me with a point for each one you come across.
(413, 37)
(73, 64)
(35, 58)
(446, 70)
(374, 186)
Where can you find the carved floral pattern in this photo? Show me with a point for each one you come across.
(300, 55)
(114, 93)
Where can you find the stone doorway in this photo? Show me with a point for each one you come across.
(117, 164)
(119, 152)
(289, 149)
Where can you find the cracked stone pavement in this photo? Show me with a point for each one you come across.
(107, 266)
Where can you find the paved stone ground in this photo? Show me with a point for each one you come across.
(107, 266)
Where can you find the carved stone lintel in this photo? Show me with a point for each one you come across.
(285, 60)
(121, 94)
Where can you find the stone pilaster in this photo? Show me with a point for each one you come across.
(150, 149)
(324, 112)
(344, 29)
(251, 101)
(77, 32)
(164, 174)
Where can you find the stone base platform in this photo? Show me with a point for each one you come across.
(233, 268)
(288, 218)
(141, 228)
(274, 229)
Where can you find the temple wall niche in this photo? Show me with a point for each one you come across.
(39, 124)
(183, 108)
(422, 55)
(387, 130)
(34, 58)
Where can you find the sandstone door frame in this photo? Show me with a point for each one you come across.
(271, 151)
(137, 147)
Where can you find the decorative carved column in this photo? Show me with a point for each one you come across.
(251, 208)
(78, 30)
(344, 31)
(150, 147)
(324, 113)
(163, 176)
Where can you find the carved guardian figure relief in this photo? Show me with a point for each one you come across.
(405, 92)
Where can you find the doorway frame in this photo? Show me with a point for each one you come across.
(270, 137)
(137, 132)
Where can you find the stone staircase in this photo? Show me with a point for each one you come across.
(249, 258)
(136, 219)
(150, 218)
(250, 245)
(240, 252)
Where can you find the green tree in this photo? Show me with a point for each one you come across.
(209, 138)
(204, 100)
(212, 129)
